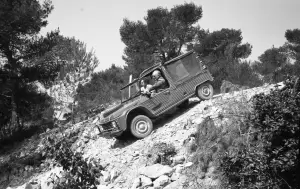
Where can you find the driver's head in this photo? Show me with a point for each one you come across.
(156, 74)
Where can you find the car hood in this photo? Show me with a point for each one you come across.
(116, 111)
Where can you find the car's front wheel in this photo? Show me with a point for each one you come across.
(141, 126)
(205, 91)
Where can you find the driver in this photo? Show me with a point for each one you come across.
(160, 82)
(144, 86)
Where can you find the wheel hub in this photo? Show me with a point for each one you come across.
(142, 126)
(206, 91)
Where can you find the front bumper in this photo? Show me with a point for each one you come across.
(110, 129)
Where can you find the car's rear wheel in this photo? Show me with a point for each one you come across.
(205, 91)
(141, 126)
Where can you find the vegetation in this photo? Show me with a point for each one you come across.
(20, 66)
(78, 172)
(258, 148)
(269, 158)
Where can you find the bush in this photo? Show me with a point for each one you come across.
(161, 153)
(270, 157)
(78, 172)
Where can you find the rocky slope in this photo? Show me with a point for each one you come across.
(133, 163)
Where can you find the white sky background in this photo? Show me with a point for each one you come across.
(96, 22)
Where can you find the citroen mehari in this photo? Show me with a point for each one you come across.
(185, 75)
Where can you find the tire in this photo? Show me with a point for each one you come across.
(141, 126)
(184, 104)
(205, 91)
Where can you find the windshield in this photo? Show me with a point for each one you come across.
(130, 91)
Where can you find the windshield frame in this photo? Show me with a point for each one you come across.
(125, 91)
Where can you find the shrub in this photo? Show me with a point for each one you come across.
(78, 172)
(270, 158)
(161, 153)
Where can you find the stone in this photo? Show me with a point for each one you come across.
(33, 185)
(178, 184)
(114, 174)
(85, 140)
(156, 170)
(162, 181)
(145, 181)
(135, 154)
(106, 176)
(210, 171)
(189, 164)
(175, 176)
(136, 183)
(178, 160)
(179, 168)
(101, 186)
(22, 154)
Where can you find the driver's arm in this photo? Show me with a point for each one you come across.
(160, 82)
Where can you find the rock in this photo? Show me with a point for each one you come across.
(156, 170)
(178, 160)
(106, 176)
(145, 181)
(135, 154)
(136, 183)
(33, 185)
(104, 165)
(102, 187)
(162, 181)
(189, 164)
(210, 171)
(141, 181)
(114, 174)
(175, 176)
(178, 184)
(85, 140)
(22, 154)
(179, 168)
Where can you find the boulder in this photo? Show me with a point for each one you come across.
(178, 160)
(156, 170)
(161, 181)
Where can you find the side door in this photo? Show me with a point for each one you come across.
(162, 100)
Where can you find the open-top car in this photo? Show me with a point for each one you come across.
(185, 76)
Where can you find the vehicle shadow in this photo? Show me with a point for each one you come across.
(128, 139)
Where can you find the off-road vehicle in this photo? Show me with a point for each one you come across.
(185, 75)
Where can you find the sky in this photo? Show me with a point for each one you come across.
(97, 22)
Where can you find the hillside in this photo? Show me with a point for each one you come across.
(124, 161)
